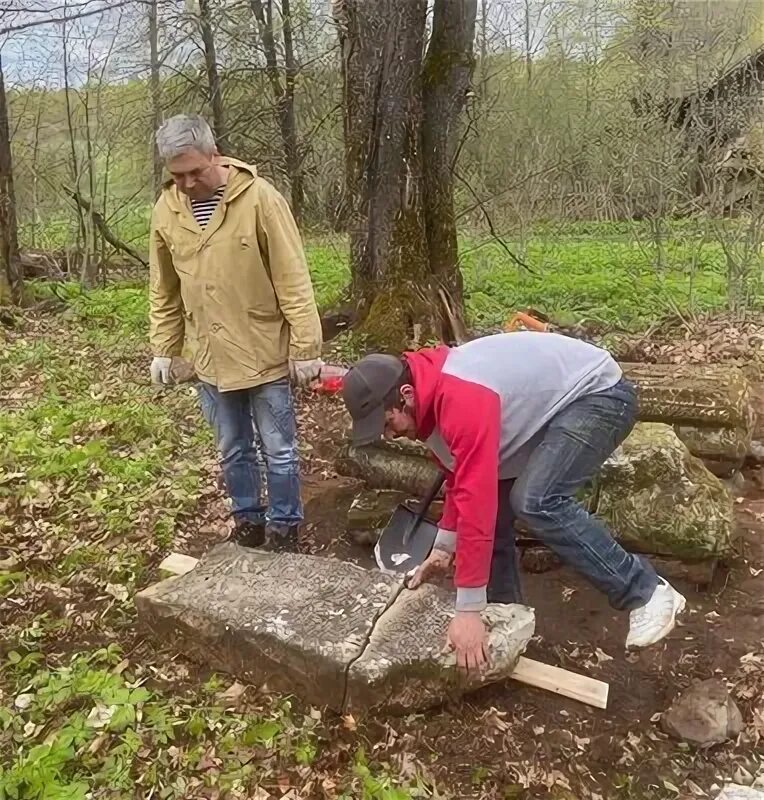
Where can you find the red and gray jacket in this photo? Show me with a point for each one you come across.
(481, 408)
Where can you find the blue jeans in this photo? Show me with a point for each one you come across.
(575, 445)
(235, 418)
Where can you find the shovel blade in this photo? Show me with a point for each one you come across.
(392, 554)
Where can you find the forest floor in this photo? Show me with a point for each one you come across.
(101, 475)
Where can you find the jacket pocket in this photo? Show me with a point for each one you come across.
(265, 315)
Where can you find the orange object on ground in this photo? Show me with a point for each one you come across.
(526, 321)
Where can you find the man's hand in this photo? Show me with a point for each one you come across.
(303, 372)
(436, 564)
(160, 369)
(467, 636)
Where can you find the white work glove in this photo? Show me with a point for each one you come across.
(160, 369)
(303, 372)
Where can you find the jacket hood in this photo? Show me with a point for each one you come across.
(426, 366)
(242, 175)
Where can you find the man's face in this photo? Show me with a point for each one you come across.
(196, 174)
(401, 422)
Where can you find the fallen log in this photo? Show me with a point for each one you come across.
(709, 406)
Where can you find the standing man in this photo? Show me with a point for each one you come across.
(520, 421)
(229, 277)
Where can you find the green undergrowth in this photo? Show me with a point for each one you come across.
(615, 274)
(100, 473)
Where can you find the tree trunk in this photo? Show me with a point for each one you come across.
(89, 273)
(81, 230)
(448, 69)
(10, 261)
(155, 90)
(283, 95)
(213, 77)
(395, 184)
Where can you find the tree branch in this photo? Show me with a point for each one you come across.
(103, 228)
(489, 222)
(66, 17)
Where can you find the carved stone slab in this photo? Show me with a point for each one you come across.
(405, 665)
(294, 622)
(331, 632)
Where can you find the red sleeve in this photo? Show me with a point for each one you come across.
(469, 420)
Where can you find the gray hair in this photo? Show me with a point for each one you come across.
(182, 133)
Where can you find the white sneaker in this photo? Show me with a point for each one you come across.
(650, 623)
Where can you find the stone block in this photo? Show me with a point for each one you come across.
(328, 631)
(660, 499)
(405, 665)
(294, 622)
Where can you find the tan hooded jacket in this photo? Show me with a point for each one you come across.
(237, 292)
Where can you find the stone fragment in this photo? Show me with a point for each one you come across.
(660, 499)
(294, 622)
(734, 791)
(405, 665)
(705, 714)
(372, 509)
(388, 465)
(328, 631)
(714, 395)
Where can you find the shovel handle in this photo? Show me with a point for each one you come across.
(426, 503)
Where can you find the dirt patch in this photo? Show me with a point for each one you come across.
(512, 735)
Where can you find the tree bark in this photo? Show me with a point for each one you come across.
(10, 260)
(447, 73)
(398, 161)
(155, 91)
(213, 77)
(283, 95)
(382, 43)
(75, 167)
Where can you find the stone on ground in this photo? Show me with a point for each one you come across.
(402, 667)
(660, 499)
(293, 622)
(710, 407)
(705, 714)
(325, 630)
(734, 791)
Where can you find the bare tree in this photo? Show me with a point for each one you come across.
(283, 93)
(155, 91)
(447, 71)
(214, 87)
(10, 262)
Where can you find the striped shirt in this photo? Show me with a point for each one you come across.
(204, 209)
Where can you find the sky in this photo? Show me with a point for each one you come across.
(118, 37)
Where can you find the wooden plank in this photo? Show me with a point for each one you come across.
(561, 681)
(178, 564)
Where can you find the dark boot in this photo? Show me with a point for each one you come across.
(280, 539)
(248, 534)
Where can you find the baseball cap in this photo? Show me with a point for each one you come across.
(364, 390)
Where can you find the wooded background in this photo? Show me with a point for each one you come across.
(536, 114)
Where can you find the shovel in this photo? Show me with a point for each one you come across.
(408, 537)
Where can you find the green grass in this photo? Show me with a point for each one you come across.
(613, 273)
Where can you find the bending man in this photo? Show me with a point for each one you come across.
(520, 421)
